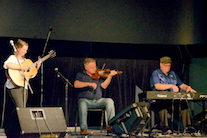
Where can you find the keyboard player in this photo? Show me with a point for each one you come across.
(164, 79)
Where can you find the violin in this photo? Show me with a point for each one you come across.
(103, 73)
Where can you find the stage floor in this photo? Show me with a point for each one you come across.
(94, 132)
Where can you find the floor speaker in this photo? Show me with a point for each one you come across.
(132, 119)
(200, 121)
(37, 120)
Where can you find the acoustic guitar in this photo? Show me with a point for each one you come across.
(17, 77)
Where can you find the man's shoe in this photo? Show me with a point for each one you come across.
(109, 129)
(84, 132)
(166, 130)
(189, 130)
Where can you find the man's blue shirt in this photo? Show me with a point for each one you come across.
(159, 77)
(88, 92)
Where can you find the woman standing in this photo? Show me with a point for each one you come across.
(15, 62)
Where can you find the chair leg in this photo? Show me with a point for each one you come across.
(102, 117)
(76, 120)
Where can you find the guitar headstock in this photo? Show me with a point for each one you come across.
(52, 53)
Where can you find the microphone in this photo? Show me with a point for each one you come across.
(52, 30)
(60, 75)
(12, 43)
(56, 70)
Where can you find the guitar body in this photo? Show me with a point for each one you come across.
(16, 75)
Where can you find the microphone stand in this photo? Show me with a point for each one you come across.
(173, 109)
(66, 94)
(25, 79)
(189, 110)
(48, 36)
(179, 108)
(180, 102)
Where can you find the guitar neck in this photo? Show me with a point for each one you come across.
(42, 60)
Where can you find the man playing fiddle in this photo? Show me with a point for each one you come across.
(90, 93)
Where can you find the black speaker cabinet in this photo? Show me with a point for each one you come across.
(132, 119)
(35, 121)
(200, 121)
(41, 120)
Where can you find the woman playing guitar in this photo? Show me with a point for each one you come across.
(15, 62)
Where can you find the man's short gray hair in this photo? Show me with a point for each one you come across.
(88, 60)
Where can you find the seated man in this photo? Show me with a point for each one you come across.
(164, 79)
(90, 93)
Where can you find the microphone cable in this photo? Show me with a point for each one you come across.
(48, 126)
(37, 123)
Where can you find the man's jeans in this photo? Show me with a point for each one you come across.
(85, 104)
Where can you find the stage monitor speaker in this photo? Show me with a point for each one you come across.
(35, 121)
(41, 120)
(132, 119)
(200, 121)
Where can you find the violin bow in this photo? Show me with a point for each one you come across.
(103, 66)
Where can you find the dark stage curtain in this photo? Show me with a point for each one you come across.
(121, 90)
